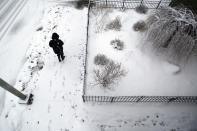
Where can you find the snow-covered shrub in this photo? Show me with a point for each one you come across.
(38, 66)
(173, 31)
(109, 74)
(114, 25)
(117, 44)
(102, 17)
(142, 9)
(191, 4)
(81, 4)
(140, 26)
(101, 59)
(39, 28)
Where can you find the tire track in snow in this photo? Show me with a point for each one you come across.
(6, 12)
(3, 4)
(11, 17)
(6, 8)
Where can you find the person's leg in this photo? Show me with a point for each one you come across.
(62, 55)
(58, 55)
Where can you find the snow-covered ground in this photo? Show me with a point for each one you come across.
(16, 40)
(146, 74)
(58, 87)
(17, 25)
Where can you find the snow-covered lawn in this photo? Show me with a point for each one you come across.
(58, 87)
(146, 74)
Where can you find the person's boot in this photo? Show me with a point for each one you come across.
(59, 58)
(62, 56)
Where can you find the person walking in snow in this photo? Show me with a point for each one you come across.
(57, 46)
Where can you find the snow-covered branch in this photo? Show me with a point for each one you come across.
(173, 30)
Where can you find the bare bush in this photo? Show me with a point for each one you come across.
(109, 74)
(117, 44)
(173, 30)
(142, 9)
(114, 25)
(101, 60)
(102, 17)
(140, 26)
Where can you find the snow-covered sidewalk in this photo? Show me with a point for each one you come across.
(56, 81)
(15, 42)
(57, 88)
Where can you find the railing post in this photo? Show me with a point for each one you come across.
(123, 4)
(141, 2)
(158, 4)
(106, 2)
(112, 100)
(140, 98)
(12, 90)
(83, 98)
(172, 99)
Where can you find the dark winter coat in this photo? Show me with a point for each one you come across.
(57, 46)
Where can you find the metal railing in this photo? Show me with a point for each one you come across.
(130, 4)
(141, 99)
